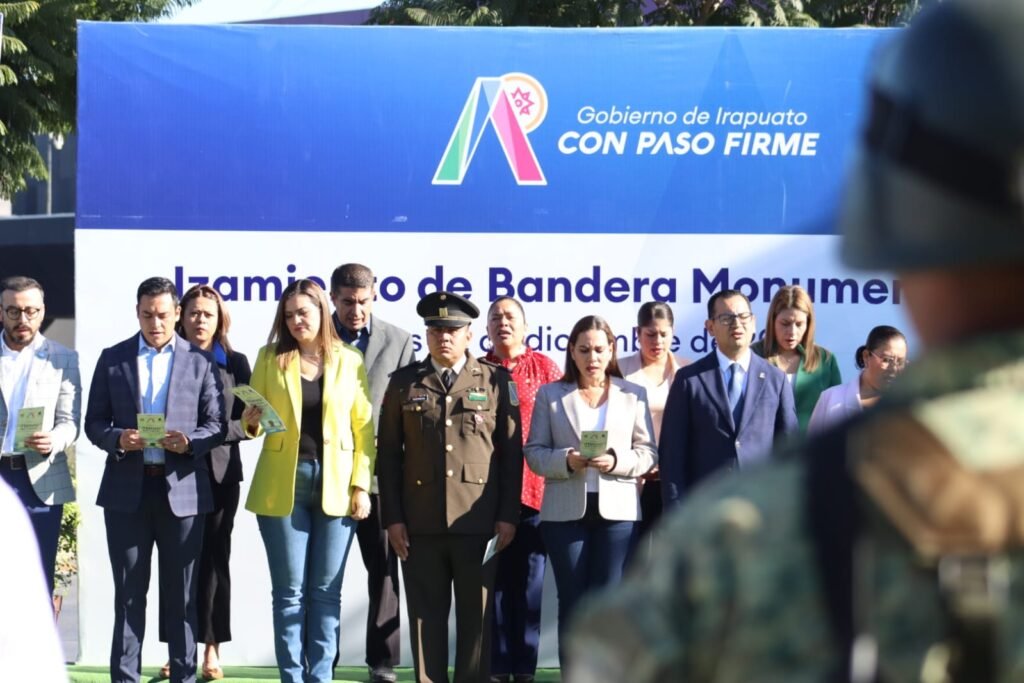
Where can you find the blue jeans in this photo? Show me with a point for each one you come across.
(585, 554)
(306, 552)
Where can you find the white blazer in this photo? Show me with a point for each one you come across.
(554, 430)
(835, 404)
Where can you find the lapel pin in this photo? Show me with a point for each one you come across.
(760, 375)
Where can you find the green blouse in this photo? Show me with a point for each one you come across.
(807, 386)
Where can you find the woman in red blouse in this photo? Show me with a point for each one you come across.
(519, 583)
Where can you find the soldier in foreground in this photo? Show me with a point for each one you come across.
(888, 548)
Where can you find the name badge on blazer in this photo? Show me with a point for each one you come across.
(415, 402)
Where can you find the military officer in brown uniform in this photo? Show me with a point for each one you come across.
(450, 467)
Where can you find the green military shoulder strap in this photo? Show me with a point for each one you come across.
(973, 586)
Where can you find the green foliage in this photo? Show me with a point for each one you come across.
(566, 13)
(67, 549)
(67, 542)
(826, 13)
(863, 12)
(38, 77)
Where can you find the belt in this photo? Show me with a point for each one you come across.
(153, 470)
(13, 462)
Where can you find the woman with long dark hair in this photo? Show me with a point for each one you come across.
(205, 323)
(591, 504)
(653, 367)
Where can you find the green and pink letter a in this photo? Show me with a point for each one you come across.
(470, 128)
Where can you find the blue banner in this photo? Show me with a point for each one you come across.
(300, 128)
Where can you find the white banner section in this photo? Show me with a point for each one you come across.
(559, 278)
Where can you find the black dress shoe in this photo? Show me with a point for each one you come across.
(499, 678)
(523, 678)
(383, 676)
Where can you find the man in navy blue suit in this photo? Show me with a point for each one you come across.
(155, 494)
(726, 409)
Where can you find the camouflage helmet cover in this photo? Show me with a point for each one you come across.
(938, 181)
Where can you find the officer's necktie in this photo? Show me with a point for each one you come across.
(447, 379)
(735, 392)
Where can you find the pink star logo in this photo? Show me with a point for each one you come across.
(523, 101)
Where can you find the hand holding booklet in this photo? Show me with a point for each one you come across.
(30, 421)
(269, 420)
(152, 428)
(593, 444)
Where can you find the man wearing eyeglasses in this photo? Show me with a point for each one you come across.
(725, 410)
(36, 372)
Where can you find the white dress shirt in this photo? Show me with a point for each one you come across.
(591, 420)
(14, 368)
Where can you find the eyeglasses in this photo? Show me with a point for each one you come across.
(730, 319)
(14, 313)
(891, 362)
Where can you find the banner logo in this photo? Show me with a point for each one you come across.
(513, 105)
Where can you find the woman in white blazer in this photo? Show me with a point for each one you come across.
(881, 360)
(591, 505)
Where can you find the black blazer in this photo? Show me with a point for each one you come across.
(225, 460)
(195, 406)
(698, 436)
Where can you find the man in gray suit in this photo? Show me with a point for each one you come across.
(385, 349)
(36, 372)
(159, 491)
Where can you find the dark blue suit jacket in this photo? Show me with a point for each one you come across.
(195, 407)
(697, 432)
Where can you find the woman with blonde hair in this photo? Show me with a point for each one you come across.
(311, 481)
(789, 345)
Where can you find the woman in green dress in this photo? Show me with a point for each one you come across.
(788, 344)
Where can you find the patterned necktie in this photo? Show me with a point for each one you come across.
(447, 379)
(735, 391)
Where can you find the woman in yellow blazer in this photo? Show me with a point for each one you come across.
(312, 478)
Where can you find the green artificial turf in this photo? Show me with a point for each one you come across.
(258, 674)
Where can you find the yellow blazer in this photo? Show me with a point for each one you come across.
(349, 450)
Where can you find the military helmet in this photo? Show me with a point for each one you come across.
(938, 180)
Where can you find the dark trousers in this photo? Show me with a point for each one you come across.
(130, 539)
(45, 518)
(518, 591)
(383, 636)
(213, 605)
(650, 510)
(585, 554)
(436, 564)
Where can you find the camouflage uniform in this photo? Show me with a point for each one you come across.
(889, 548)
(732, 592)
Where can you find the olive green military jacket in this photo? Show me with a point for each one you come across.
(732, 591)
(450, 462)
